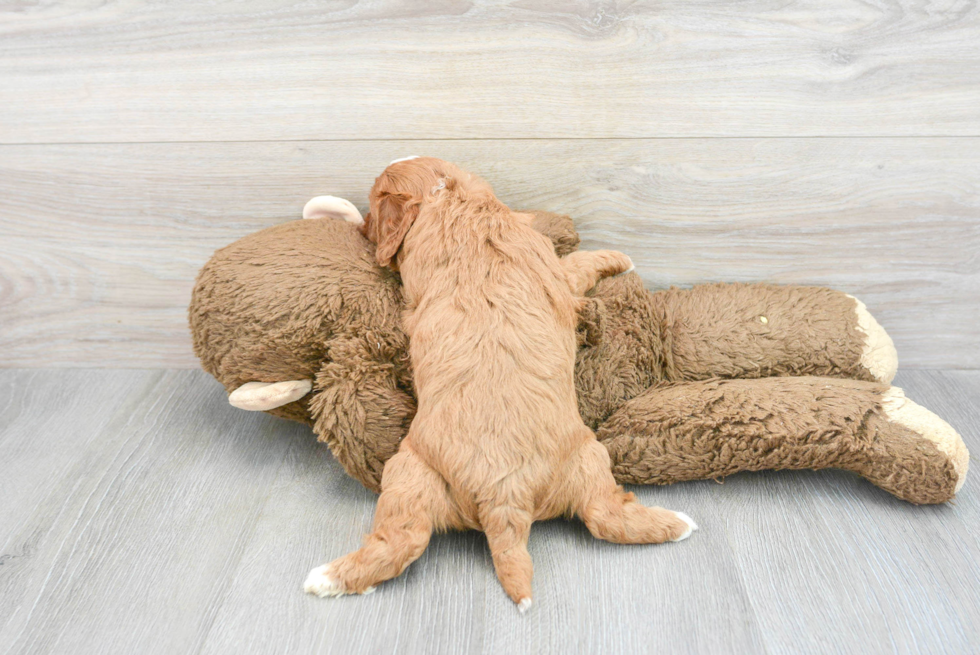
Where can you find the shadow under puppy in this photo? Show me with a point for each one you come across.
(497, 441)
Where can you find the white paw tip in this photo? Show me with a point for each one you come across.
(628, 270)
(691, 525)
(320, 583)
(332, 207)
(395, 161)
(524, 605)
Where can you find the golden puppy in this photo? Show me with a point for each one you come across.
(497, 442)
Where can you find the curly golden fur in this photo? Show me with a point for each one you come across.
(497, 441)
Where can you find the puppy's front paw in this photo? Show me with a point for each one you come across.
(615, 263)
(630, 269)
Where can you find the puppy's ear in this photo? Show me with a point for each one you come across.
(395, 216)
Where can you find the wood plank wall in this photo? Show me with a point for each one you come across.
(833, 143)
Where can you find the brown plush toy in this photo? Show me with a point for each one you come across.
(298, 320)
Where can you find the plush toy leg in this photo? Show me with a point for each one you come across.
(878, 354)
(636, 339)
(332, 207)
(713, 428)
(759, 330)
(920, 420)
(263, 396)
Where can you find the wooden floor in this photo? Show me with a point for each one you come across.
(142, 514)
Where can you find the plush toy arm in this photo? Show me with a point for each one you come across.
(713, 428)
(359, 405)
(557, 227)
(760, 330)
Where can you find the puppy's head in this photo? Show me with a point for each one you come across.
(397, 198)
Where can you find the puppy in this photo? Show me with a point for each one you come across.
(497, 442)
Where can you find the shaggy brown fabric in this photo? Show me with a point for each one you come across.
(559, 229)
(711, 330)
(305, 300)
(713, 428)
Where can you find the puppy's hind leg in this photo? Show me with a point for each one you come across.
(413, 502)
(507, 530)
(584, 268)
(614, 515)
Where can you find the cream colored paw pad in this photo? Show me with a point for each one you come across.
(333, 207)
(900, 409)
(879, 355)
(263, 396)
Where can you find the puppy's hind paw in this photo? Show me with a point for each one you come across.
(320, 583)
(524, 605)
(691, 526)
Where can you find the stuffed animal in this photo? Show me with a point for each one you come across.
(298, 320)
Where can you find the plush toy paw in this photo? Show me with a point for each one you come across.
(903, 411)
(879, 355)
(332, 207)
(263, 396)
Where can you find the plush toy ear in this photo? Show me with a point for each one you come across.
(395, 216)
(332, 207)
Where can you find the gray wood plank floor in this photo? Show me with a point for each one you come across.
(142, 514)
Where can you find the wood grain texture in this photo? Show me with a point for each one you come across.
(139, 71)
(99, 244)
(877, 574)
(128, 512)
(142, 514)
